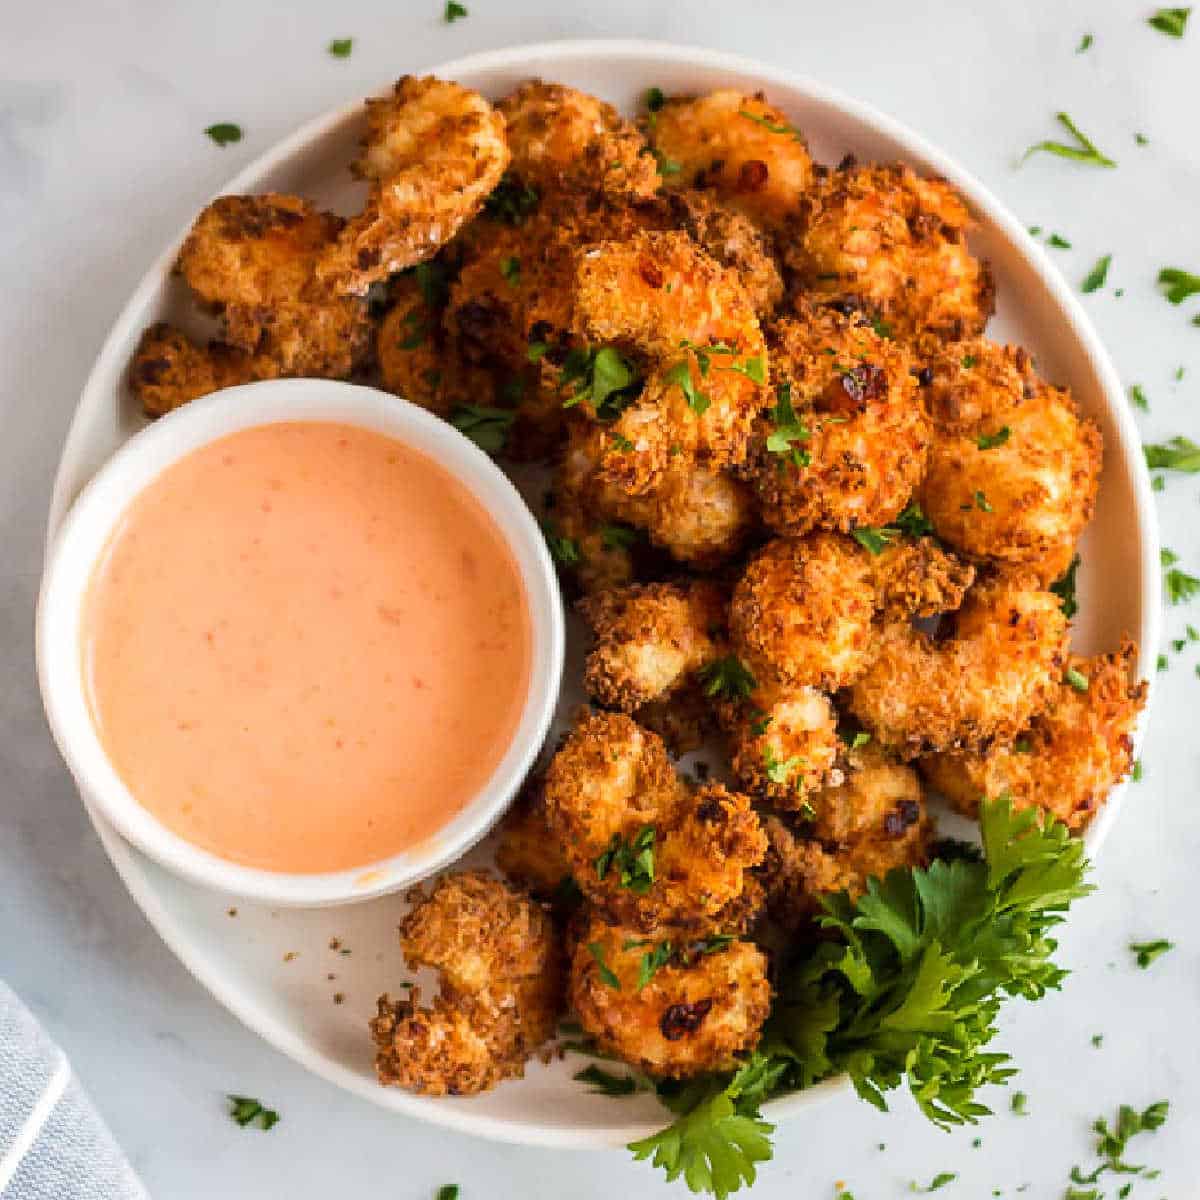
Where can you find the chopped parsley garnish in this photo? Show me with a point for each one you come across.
(938, 1181)
(632, 860)
(1083, 151)
(453, 11)
(1097, 1040)
(620, 442)
(655, 99)
(788, 430)
(607, 975)
(989, 441)
(433, 282)
(414, 322)
(1136, 773)
(537, 351)
(772, 126)
(603, 377)
(224, 132)
(1020, 1103)
(1085, 43)
(906, 988)
(1077, 679)
(1167, 556)
(1179, 284)
(981, 502)
(1111, 1145)
(1097, 275)
(618, 537)
(1023, 745)
(604, 1083)
(857, 740)
(1139, 398)
(728, 677)
(752, 368)
(874, 539)
(510, 268)
(1171, 21)
(245, 1110)
(652, 962)
(1161, 663)
(564, 550)
(780, 770)
(1147, 952)
(1058, 242)
(968, 361)
(511, 201)
(913, 521)
(486, 427)
(341, 47)
(1064, 589)
(448, 1191)
(1141, 139)
(681, 374)
(1178, 454)
(1181, 587)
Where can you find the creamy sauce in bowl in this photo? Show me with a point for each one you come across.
(306, 647)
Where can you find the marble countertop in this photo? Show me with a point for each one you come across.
(102, 159)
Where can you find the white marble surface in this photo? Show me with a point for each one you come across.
(102, 158)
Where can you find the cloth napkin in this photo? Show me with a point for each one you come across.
(53, 1143)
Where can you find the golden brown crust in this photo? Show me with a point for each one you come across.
(1013, 470)
(918, 577)
(433, 151)
(526, 851)
(697, 1012)
(738, 145)
(1068, 759)
(501, 992)
(882, 238)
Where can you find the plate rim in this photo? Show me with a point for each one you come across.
(125, 858)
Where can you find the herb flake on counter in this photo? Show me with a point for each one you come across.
(340, 47)
(454, 12)
(1171, 21)
(1097, 275)
(1084, 151)
(1181, 587)
(448, 1191)
(938, 1182)
(224, 133)
(1058, 242)
(1178, 284)
(1111, 1145)
(1085, 43)
(1147, 952)
(1020, 1104)
(1138, 398)
(245, 1110)
(1177, 454)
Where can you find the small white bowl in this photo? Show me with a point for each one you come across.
(86, 531)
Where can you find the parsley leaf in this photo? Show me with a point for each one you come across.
(728, 677)
(1077, 679)
(875, 539)
(604, 1083)
(1171, 21)
(1178, 454)
(453, 11)
(681, 374)
(1181, 587)
(618, 537)
(1179, 284)
(652, 961)
(511, 200)
(666, 166)
(603, 377)
(913, 521)
(939, 1181)
(510, 268)
(780, 770)
(341, 47)
(1064, 589)
(564, 550)
(788, 428)
(1083, 151)
(1097, 275)
(1147, 952)
(1058, 242)
(1020, 1103)
(607, 975)
(224, 132)
(1138, 396)
(632, 859)
(655, 99)
(448, 1191)
(244, 1110)
(1111, 1145)
(486, 427)
(989, 441)
(772, 126)
(982, 503)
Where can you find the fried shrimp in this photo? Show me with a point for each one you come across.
(169, 369)
(644, 846)
(845, 444)
(672, 1004)
(433, 151)
(884, 239)
(740, 146)
(253, 260)
(527, 852)
(1001, 665)
(1013, 469)
(1068, 759)
(501, 989)
(651, 640)
(562, 138)
(661, 297)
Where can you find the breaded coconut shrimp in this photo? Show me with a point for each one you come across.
(1013, 469)
(699, 517)
(1068, 759)
(883, 239)
(740, 146)
(644, 846)
(169, 369)
(433, 151)
(845, 444)
(1001, 665)
(527, 852)
(501, 990)
(663, 299)
(253, 260)
(562, 138)
(651, 640)
(671, 1004)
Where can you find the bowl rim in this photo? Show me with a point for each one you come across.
(567, 50)
(86, 534)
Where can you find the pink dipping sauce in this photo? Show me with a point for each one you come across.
(307, 647)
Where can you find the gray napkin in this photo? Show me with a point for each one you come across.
(53, 1144)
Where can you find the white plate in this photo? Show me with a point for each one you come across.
(241, 960)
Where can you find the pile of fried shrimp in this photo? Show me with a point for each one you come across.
(804, 505)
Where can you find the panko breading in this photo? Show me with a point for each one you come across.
(169, 369)
(502, 984)
(526, 851)
(860, 467)
(651, 639)
(253, 260)
(1068, 759)
(433, 151)
(644, 846)
(917, 577)
(1013, 469)
(663, 298)
(783, 742)
(740, 146)
(1001, 665)
(561, 138)
(878, 797)
(670, 1004)
(882, 238)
